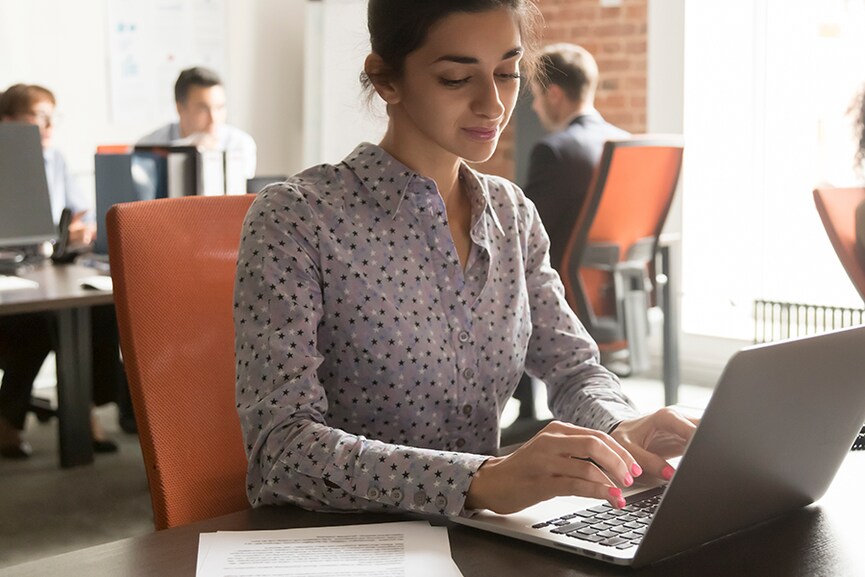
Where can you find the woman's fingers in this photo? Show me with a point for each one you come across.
(561, 460)
(569, 441)
(653, 437)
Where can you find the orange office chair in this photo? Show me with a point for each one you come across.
(610, 254)
(837, 207)
(173, 263)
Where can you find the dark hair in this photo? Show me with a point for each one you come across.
(399, 27)
(571, 68)
(19, 99)
(858, 110)
(196, 76)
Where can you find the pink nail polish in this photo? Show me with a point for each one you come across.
(667, 473)
(628, 480)
(620, 503)
(615, 492)
(636, 470)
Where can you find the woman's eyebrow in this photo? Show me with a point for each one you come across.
(513, 52)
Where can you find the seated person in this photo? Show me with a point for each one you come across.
(386, 307)
(201, 109)
(563, 163)
(26, 339)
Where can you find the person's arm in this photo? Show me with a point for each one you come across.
(82, 227)
(295, 455)
(582, 458)
(250, 155)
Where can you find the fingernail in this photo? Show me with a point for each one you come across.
(615, 492)
(636, 470)
(667, 473)
(621, 503)
(628, 480)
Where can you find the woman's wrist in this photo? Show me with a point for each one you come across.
(479, 488)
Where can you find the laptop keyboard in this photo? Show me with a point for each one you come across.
(620, 528)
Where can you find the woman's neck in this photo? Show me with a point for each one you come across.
(429, 161)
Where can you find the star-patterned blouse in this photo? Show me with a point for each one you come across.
(372, 370)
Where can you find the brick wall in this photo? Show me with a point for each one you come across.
(616, 37)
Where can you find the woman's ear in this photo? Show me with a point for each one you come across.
(380, 76)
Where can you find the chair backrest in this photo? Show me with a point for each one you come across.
(624, 210)
(837, 208)
(173, 264)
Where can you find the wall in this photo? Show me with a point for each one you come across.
(63, 45)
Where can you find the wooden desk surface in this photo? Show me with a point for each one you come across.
(59, 288)
(820, 540)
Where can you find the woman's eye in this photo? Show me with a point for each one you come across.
(509, 75)
(451, 83)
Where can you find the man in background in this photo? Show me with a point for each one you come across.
(201, 109)
(562, 164)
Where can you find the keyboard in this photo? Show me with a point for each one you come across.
(620, 528)
(859, 443)
(10, 283)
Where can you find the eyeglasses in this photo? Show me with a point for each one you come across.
(42, 119)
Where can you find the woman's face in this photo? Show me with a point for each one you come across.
(41, 114)
(459, 88)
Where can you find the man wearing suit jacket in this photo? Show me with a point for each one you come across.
(563, 163)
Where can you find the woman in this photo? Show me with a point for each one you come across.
(386, 307)
(25, 340)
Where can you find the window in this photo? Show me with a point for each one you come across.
(767, 88)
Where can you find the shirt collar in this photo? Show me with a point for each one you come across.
(389, 181)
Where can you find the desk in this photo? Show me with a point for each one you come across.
(60, 292)
(823, 539)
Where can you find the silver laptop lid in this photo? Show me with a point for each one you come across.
(780, 422)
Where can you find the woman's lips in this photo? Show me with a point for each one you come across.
(482, 134)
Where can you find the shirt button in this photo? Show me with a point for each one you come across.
(468, 373)
(441, 502)
(420, 498)
(464, 337)
(467, 410)
(396, 495)
(373, 494)
(461, 443)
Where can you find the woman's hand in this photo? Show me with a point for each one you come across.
(562, 459)
(81, 233)
(654, 438)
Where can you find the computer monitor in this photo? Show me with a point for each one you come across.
(25, 204)
(125, 177)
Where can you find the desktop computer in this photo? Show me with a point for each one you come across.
(125, 177)
(25, 203)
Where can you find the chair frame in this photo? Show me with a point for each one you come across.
(195, 463)
(852, 258)
(580, 253)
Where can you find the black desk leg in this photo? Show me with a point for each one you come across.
(671, 330)
(74, 381)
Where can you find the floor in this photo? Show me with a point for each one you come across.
(46, 511)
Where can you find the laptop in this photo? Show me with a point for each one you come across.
(780, 422)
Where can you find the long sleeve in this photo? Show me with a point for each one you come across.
(561, 353)
(295, 454)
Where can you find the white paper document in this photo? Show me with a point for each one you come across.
(404, 549)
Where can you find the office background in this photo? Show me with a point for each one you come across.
(270, 82)
(644, 48)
